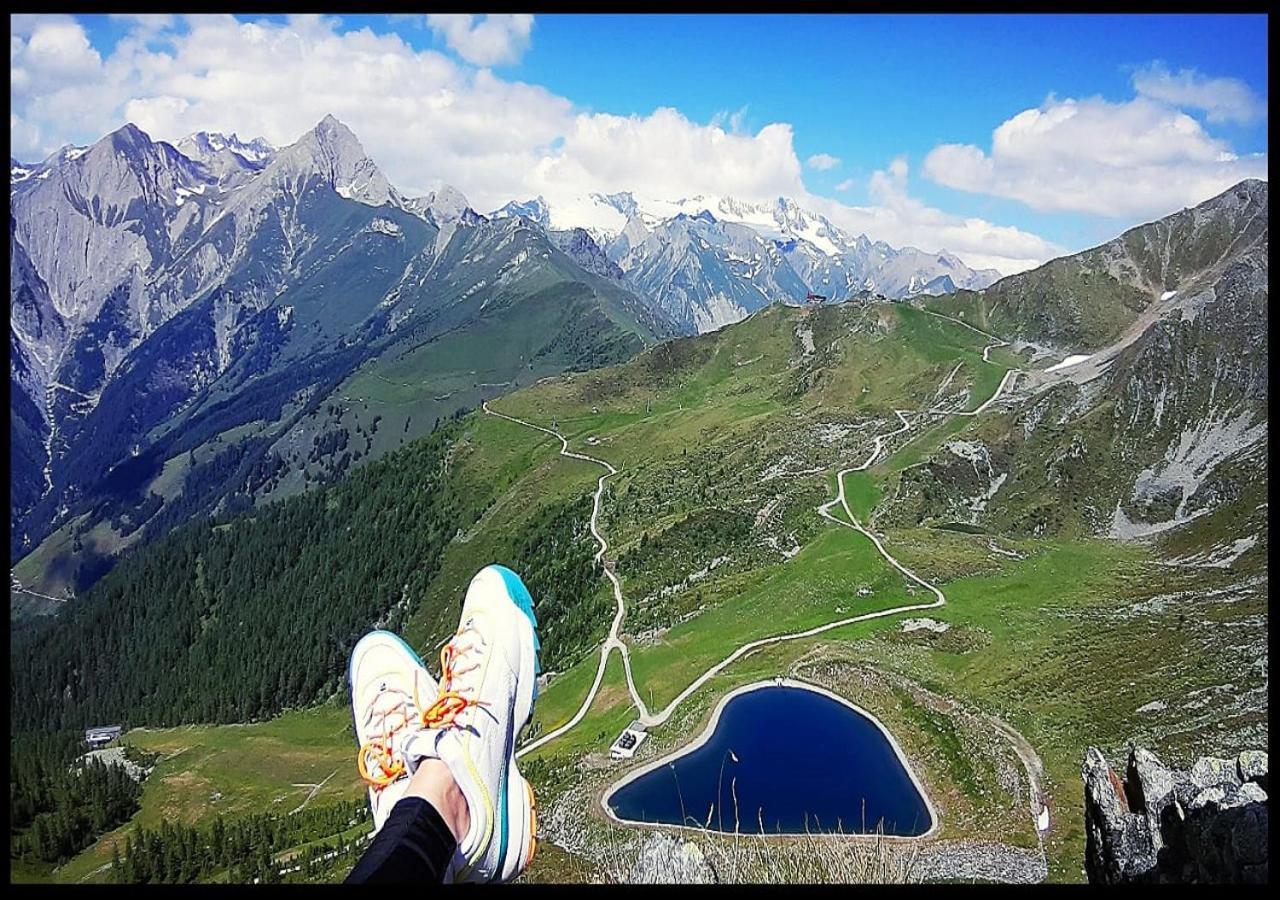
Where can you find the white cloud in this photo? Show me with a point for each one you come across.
(23, 24)
(1221, 99)
(145, 22)
(903, 220)
(425, 118)
(822, 161)
(666, 155)
(847, 185)
(484, 40)
(1137, 158)
(735, 121)
(56, 50)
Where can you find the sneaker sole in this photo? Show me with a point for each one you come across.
(517, 803)
(520, 596)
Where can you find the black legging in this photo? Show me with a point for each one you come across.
(414, 845)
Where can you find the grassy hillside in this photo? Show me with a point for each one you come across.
(726, 443)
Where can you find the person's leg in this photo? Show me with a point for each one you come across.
(420, 836)
(390, 689)
(488, 686)
(466, 813)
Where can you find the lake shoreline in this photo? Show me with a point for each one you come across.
(710, 730)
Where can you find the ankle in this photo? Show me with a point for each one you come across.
(434, 783)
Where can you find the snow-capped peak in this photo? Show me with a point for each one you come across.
(226, 158)
(534, 210)
(65, 154)
(814, 243)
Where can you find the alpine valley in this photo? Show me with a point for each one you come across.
(263, 402)
(212, 324)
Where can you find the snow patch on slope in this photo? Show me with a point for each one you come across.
(1220, 557)
(1073, 360)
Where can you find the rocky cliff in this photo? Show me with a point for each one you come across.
(1161, 825)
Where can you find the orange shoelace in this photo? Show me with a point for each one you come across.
(450, 703)
(388, 763)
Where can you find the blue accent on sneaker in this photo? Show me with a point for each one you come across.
(520, 596)
(503, 826)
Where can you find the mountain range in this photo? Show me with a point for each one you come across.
(708, 261)
(202, 312)
(1155, 424)
(166, 296)
(208, 325)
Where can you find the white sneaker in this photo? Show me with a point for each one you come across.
(488, 684)
(390, 687)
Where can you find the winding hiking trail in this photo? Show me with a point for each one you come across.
(1026, 754)
(612, 642)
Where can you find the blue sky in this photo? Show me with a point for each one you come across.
(868, 88)
(879, 93)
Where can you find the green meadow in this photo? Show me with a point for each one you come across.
(699, 423)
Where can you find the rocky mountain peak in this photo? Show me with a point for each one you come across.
(1253, 187)
(227, 158)
(63, 154)
(128, 137)
(788, 212)
(535, 210)
(623, 201)
(202, 144)
(331, 137)
(447, 203)
(332, 151)
(578, 245)
(446, 208)
(130, 148)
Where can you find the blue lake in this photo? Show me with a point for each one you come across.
(795, 759)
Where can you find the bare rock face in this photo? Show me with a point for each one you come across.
(1251, 765)
(664, 859)
(578, 245)
(1161, 825)
(1211, 770)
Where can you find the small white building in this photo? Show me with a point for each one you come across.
(631, 738)
(102, 735)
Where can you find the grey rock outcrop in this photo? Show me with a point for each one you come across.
(1211, 770)
(1252, 766)
(664, 859)
(578, 245)
(1161, 825)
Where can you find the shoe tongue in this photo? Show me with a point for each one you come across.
(388, 704)
(419, 745)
